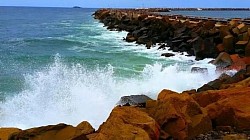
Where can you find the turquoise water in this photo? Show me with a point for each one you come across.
(61, 65)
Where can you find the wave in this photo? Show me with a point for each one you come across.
(71, 94)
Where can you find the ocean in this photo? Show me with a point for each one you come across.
(60, 65)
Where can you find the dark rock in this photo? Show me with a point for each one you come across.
(167, 54)
(143, 39)
(205, 87)
(163, 47)
(239, 76)
(134, 100)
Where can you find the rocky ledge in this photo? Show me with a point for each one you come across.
(219, 109)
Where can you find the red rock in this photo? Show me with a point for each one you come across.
(227, 107)
(5, 133)
(179, 115)
(127, 123)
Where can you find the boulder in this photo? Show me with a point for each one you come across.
(227, 107)
(242, 27)
(134, 100)
(223, 60)
(228, 43)
(127, 123)
(53, 132)
(130, 38)
(240, 47)
(5, 133)
(178, 115)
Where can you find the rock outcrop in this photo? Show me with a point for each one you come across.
(127, 123)
(179, 115)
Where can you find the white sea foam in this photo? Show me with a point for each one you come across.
(71, 94)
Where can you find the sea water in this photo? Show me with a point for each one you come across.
(60, 65)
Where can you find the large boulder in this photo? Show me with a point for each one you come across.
(223, 60)
(227, 107)
(178, 115)
(5, 133)
(127, 123)
(55, 132)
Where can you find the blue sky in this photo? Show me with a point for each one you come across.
(129, 3)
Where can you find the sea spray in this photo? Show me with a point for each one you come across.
(73, 93)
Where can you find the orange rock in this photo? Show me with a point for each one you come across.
(127, 123)
(85, 128)
(242, 28)
(6, 132)
(53, 132)
(179, 115)
(227, 107)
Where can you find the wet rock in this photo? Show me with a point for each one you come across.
(163, 47)
(223, 60)
(167, 54)
(199, 70)
(134, 100)
(128, 123)
(130, 38)
(179, 115)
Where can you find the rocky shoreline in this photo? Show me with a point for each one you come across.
(219, 109)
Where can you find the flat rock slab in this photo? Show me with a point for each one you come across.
(134, 100)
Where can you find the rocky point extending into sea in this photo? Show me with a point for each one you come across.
(219, 109)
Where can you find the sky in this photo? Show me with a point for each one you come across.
(130, 3)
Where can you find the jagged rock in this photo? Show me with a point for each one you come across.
(127, 123)
(134, 100)
(179, 115)
(5, 133)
